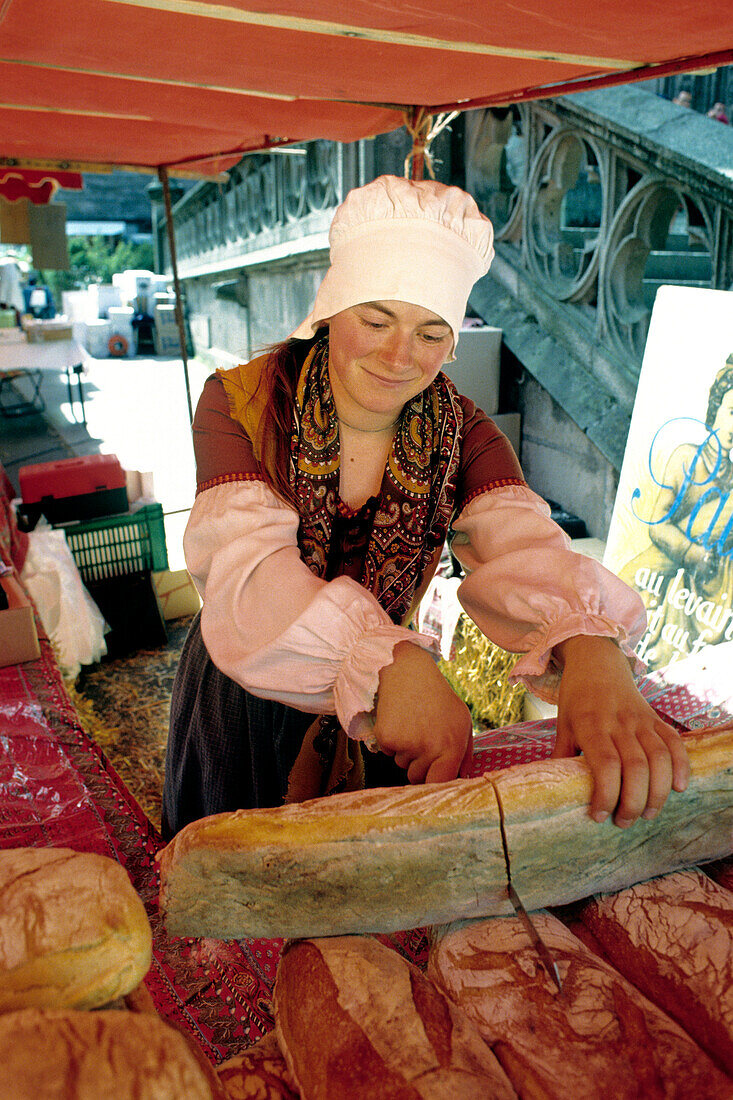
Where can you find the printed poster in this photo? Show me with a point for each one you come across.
(671, 532)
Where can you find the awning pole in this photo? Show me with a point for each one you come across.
(423, 130)
(163, 177)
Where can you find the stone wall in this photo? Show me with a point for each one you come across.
(560, 462)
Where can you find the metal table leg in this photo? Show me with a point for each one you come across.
(78, 370)
(21, 406)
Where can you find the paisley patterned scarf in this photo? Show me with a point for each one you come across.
(415, 502)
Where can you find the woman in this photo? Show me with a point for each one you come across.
(690, 528)
(330, 472)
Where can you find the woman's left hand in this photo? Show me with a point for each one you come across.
(636, 758)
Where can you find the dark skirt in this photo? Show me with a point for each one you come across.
(229, 750)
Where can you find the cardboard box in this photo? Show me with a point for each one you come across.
(12, 336)
(18, 637)
(40, 332)
(176, 592)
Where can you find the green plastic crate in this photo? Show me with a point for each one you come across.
(114, 546)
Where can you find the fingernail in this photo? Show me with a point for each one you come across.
(624, 822)
(649, 814)
(599, 816)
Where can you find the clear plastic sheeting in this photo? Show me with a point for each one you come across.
(69, 615)
(43, 799)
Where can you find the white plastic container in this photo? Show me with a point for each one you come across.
(104, 295)
(98, 334)
(476, 371)
(138, 288)
(79, 305)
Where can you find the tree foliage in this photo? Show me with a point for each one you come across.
(95, 260)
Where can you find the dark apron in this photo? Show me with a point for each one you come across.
(229, 750)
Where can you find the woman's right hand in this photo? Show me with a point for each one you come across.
(420, 720)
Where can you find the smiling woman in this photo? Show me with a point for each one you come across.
(383, 354)
(331, 470)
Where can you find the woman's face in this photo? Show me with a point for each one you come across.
(723, 423)
(380, 355)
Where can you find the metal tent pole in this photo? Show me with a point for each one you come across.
(163, 177)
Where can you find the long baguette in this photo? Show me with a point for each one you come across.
(397, 858)
(377, 860)
(599, 1040)
(557, 854)
(355, 1020)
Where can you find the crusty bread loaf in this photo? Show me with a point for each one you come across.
(385, 860)
(375, 860)
(673, 938)
(105, 1055)
(557, 854)
(258, 1073)
(599, 1040)
(73, 931)
(356, 1020)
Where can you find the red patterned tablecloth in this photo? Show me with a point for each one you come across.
(58, 789)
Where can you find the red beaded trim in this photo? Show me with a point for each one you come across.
(224, 479)
(490, 485)
(345, 510)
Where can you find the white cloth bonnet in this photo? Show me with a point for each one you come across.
(415, 241)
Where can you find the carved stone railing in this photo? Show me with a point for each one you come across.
(598, 199)
(270, 201)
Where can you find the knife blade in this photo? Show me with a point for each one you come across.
(542, 949)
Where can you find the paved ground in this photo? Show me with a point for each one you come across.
(136, 409)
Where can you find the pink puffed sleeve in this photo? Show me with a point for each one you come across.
(527, 590)
(274, 627)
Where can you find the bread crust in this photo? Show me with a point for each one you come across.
(73, 931)
(600, 1040)
(105, 1055)
(258, 1073)
(396, 858)
(366, 861)
(355, 1019)
(673, 938)
(558, 854)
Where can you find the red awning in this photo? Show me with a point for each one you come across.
(194, 84)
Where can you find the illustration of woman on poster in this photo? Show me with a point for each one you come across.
(686, 575)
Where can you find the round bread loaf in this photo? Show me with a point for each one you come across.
(73, 931)
(106, 1055)
(258, 1073)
